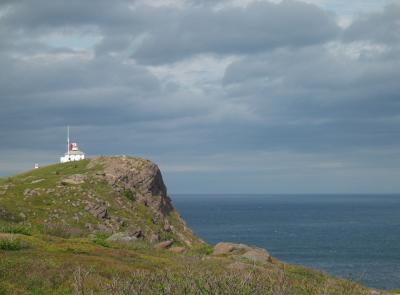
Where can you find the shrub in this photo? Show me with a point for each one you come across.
(9, 216)
(129, 195)
(189, 280)
(12, 244)
(57, 230)
(16, 229)
(204, 249)
(101, 239)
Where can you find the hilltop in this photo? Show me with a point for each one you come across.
(106, 225)
(104, 195)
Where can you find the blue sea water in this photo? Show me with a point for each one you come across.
(351, 236)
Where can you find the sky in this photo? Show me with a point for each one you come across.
(239, 96)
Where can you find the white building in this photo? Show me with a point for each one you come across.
(73, 153)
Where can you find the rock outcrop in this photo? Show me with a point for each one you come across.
(73, 180)
(139, 191)
(122, 237)
(97, 210)
(139, 178)
(164, 245)
(241, 251)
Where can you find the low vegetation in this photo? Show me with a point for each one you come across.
(16, 229)
(101, 239)
(10, 243)
(56, 237)
(54, 265)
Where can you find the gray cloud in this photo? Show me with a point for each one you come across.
(164, 34)
(382, 27)
(258, 27)
(26, 15)
(313, 99)
(203, 90)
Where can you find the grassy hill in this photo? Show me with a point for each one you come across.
(107, 226)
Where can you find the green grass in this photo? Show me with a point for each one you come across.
(101, 239)
(16, 229)
(65, 266)
(129, 195)
(12, 244)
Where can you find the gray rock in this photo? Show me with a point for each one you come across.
(138, 233)
(154, 238)
(137, 175)
(31, 193)
(258, 256)
(167, 226)
(163, 245)
(97, 210)
(230, 248)
(254, 254)
(177, 250)
(38, 180)
(103, 228)
(121, 237)
(74, 179)
(89, 226)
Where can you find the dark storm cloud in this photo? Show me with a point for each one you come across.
(313, 99)
(257, 27)
(43, 88)
(165, 34)
(43, 14)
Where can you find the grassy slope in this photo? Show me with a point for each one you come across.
(67, 258)
(61, 208)
(52, 265)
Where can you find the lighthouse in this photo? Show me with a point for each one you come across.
(73, 153)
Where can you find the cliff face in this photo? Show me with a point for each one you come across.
(123, 197)
(139, 177)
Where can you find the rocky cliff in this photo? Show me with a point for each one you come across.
(124, 197)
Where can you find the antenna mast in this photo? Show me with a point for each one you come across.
(68, 140)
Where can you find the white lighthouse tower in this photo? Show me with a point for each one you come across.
(73, 153)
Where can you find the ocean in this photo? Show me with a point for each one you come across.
(351, 236)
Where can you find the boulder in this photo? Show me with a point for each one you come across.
(103, 228)
(238, 266)
(138, 233)
(74, 179)
(97, 210)
(37, 180)
(31, 192)
(121, 237)
(163, 245)
(230, 248)
(177, 250)
(167, 226)
(154, 238)
(258, 255)
(240, 251)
